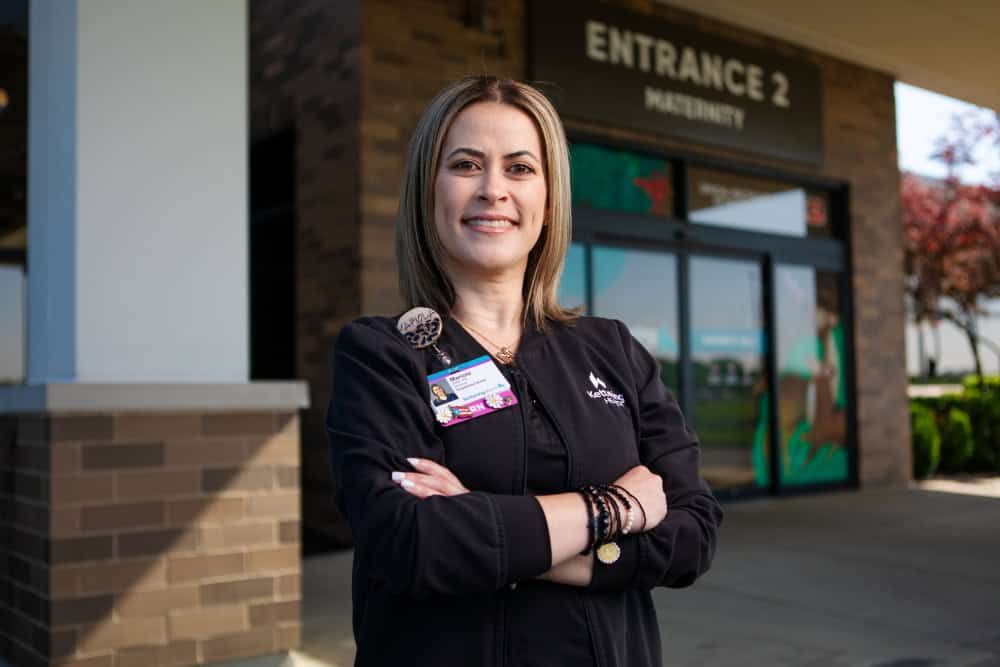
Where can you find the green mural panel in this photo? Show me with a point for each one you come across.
(615, 180)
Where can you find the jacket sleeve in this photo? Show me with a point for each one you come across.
(377, 416)
(680, 549)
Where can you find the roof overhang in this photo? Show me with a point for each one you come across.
(947, 47)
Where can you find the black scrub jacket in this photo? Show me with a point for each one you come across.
(433, 577)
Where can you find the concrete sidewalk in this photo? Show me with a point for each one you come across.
(900, 578)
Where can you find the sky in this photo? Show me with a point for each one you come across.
(922, 117)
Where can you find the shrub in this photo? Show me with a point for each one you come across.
(971, 382)
(983, 410)
(926, 441)
(984, 413)
(956, 440)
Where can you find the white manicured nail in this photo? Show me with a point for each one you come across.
(414, 462)
(396, 476)
(408, 484)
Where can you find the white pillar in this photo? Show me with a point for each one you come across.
(137, 205)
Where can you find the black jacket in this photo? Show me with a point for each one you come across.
(431, 576)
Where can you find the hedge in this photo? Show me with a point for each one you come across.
(956, 440)
(926, 440)
(983, 410)
(971, 382)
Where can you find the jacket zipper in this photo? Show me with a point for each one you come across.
(588, 608)
(570, 470)
(520, 379)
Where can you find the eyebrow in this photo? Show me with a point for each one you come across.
(479, 154)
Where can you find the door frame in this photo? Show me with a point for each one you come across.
(675, 235)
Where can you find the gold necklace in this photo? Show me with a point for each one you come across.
(504, 354)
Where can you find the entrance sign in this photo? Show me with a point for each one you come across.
(603, 64)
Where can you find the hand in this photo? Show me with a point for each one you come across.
(432, 480)
(647, 486)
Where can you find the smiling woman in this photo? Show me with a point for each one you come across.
(496, 152)
(489, 192)
(506, 465)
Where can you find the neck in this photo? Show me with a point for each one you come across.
(494, 305)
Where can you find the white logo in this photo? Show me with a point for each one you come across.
(602, 393)
(597, 382)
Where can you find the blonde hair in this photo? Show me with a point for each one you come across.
(419, 252)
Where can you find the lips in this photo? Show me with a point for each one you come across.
(489, 223)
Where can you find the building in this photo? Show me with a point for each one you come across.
(736, 203)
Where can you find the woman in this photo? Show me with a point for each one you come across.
(478, 541)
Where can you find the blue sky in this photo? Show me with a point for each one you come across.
(922, 117)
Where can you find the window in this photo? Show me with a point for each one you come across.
(744, 202)
(615, 180)
(13, 189)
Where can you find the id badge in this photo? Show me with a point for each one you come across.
(469, 390)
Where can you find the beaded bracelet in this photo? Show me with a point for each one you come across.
(641, 508)
(605, 520)
(591, 522)
(616, 491)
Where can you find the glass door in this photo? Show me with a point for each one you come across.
(812, 376)
(729, 399)
(736, 282)
(639, 288)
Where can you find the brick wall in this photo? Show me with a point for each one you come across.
(304, 75)
(24, 521)
(150, 539)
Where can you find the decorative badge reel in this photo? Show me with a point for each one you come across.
(421, 327)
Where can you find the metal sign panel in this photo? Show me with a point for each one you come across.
(599, 63)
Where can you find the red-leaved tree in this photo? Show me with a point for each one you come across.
(952, 236)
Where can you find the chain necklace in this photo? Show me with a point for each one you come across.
(504, 354)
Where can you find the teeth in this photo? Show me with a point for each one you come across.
(497, 224)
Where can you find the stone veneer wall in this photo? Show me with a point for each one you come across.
(304, 75)
(138, 540)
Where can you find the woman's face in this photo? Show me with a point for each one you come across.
(489, 191)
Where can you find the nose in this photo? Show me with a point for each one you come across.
(492, 187)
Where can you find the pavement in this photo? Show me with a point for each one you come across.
(902, 577)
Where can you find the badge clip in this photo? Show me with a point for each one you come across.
(421, 327)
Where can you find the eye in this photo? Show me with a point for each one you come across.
(522, 169)
(464, 165)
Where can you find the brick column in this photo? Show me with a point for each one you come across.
(134, 539)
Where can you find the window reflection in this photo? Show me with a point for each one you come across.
(812, 387)
(727, 350)
(573, 284)
(731, 200)
(13, 187)
(12, 325)
(640, 289)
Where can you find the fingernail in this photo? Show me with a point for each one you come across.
(408, 484)
(396, 476)
(414, 462)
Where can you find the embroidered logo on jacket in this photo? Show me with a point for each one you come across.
(601, 392)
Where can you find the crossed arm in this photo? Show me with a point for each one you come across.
(565, 513)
